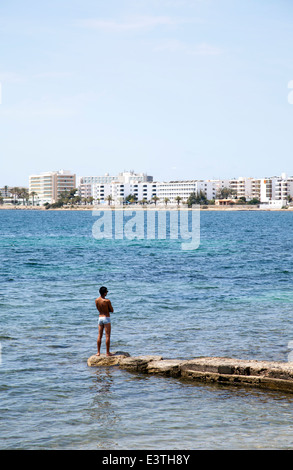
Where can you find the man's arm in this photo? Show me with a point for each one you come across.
(111, 309)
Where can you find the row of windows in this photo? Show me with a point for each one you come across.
(122, 192)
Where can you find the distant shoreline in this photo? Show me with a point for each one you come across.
(234, 208)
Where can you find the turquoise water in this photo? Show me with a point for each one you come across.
(231, 297)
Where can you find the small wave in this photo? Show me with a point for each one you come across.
(34, 263)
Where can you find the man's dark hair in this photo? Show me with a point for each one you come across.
(103, 290)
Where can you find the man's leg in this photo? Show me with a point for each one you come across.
(99, 340)
(108, 334)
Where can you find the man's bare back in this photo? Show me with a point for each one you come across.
(104, 306)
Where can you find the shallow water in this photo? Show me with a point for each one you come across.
(230, 297)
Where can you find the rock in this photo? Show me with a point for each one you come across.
(168, 367)
(104, 360)
(261, 374)
(228, 366)
(138, 363)
(121, 353)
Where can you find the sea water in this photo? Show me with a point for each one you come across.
(230, 297)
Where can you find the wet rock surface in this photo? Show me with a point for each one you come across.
(104, 360)
(221, 370)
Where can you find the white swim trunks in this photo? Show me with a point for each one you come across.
(104, 320)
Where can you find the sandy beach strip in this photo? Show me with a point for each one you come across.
(101, 207)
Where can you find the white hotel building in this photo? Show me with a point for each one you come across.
(144, 188)
(266, 190)
(119, 191)
(118, 187)
(47, 187)
(183, 189)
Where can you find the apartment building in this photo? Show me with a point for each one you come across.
(124, 177)
(174, 189)
(48, 186)
(142, 186)
(106, 178)
(118, 187)
(281, 187)
(120, 191)
(85, 190)
(263, 189)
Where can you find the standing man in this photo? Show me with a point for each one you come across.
(104, 307)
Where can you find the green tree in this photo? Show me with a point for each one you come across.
(33, 194)
(242, 200)
(109, 199)
(63, 198)
(67, 197)
(197, 198)
(166, 200)
(225, 193)
(155, 199)
(131, 198)
(24, 194)
(192, 199)
(76, 200)
(178, 199)
(254, 201)
(56, 204)
(15, 192)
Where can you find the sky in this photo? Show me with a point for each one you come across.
(178, 89)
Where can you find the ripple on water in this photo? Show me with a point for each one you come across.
(228, 298)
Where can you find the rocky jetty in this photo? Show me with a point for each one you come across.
(221, 370)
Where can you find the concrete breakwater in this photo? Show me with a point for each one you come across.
(228, 371)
